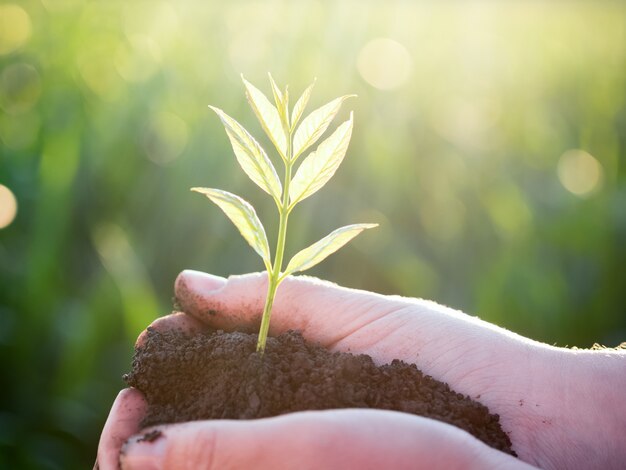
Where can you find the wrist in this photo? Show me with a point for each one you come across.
(599, 378)
(590, 414)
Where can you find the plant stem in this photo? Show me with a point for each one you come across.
(273, 277)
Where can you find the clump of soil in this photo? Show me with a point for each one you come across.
(217, 375)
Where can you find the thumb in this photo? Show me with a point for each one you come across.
(314, 439)
(322, 311)
(436, 338)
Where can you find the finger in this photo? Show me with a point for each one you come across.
(315, 439)
(126, 413)
(175, 321)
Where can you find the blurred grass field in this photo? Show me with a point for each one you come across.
(489, 144)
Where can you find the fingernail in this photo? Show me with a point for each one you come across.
(142, 453)
(198, 282)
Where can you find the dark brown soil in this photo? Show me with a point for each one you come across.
(217, 375)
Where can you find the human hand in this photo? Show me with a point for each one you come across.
(352, 438)
(539, 391)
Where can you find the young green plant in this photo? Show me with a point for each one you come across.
(291, 141)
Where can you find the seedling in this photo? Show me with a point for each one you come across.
(291, 141)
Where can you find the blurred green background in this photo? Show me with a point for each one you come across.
(490, 145)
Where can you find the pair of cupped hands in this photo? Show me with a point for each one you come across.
(561, 408)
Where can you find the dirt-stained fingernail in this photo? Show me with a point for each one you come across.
(144, 452)
(198, 283)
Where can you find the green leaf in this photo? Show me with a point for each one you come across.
(320, 166)
(243, 215)
(314, 125)
(317, 252)
(300, 105)
(282, 102)
(251, 156)
(278, 96)
(268, 116)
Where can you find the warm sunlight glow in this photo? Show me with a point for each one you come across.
(579, 172)
(384, 63)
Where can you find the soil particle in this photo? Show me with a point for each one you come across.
(217, 375)
(150, 436)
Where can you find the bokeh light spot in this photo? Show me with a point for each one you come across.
(165, 138)
(15, 28)
(579, 172)
(384, 63)
(8, 207)
(20, 88)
